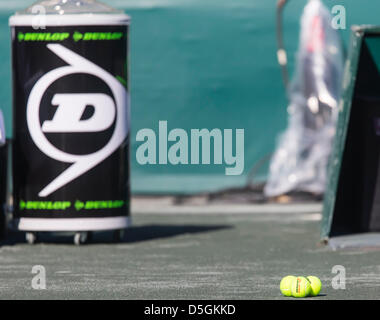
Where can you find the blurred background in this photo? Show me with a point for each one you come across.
(202, 64)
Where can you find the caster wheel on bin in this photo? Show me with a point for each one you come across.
(118, 235)
(81, 238)
(31, 237)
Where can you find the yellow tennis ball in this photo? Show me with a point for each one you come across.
(315, 284)
(285, 284)
(300, 287)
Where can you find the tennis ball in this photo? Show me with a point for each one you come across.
(315, 285)
(300, 287)
(285, 284)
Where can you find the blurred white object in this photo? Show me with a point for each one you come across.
(2, 129)
(300, 160)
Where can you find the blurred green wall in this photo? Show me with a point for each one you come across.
(202, 64)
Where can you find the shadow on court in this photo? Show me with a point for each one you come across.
(132, 234)
(153, 232)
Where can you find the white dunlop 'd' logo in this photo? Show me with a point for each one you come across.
(67, 118)
(70, 109)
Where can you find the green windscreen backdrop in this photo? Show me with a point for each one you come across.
(202, 64)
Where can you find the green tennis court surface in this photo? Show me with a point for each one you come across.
(193, 251)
